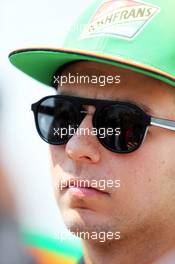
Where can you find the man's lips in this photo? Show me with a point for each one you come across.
(83, 186)
(85, 192)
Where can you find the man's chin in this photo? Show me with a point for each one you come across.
(85, 220)
(79, 220)
(89, 229)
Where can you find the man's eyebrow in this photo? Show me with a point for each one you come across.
(66, 93)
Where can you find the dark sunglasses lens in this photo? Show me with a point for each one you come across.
(124, 128)
(57, 119)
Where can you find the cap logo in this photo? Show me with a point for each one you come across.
(120, 18)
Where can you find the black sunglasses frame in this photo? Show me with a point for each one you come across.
(78, 102)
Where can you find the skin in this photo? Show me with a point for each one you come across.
(142, 209)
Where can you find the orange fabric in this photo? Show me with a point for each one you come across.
(46, 257)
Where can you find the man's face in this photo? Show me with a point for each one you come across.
(146, 197)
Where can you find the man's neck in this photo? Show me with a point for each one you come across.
(132, 251)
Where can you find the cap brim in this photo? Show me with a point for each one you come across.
(42, 63)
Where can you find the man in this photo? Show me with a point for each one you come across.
(115, 81)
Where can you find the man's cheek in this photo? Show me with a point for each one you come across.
(57, 154)
(57, 191)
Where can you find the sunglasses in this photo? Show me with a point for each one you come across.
(119, 126)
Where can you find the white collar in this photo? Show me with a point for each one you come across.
(168, 258)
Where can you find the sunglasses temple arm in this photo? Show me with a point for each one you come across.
(168, 124)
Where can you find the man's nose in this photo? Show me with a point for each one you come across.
(83, 145)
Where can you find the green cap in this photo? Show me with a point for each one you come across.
(132, 34)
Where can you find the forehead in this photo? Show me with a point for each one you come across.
(128, 78)
(91, 68)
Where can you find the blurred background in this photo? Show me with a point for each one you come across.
(23, 154)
